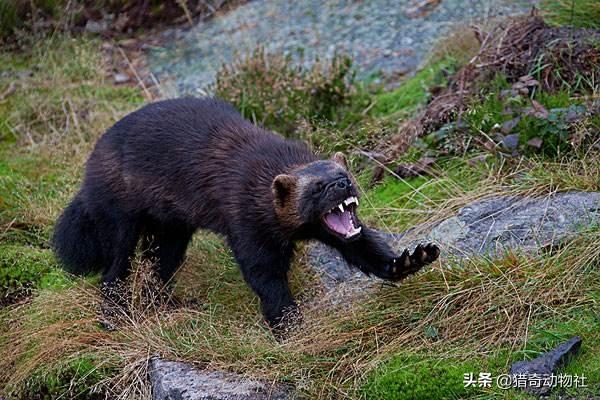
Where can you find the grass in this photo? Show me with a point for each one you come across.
(410, 377)
(419, 337)
(412, 93)
(23, 268)
(579, 13)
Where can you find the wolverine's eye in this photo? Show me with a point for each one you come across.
(318, 187)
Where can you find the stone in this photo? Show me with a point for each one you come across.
(96, 26)
(546, 364)
(511, 142)
(487, 227)
(121, 77)
(378, 35)
(172, 380)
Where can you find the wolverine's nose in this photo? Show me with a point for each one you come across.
(344, 183)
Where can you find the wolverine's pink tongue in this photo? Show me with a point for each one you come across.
(340, 222)
(341, 219)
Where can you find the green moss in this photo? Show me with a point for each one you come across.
(73, 379)
(25, 267)
(411, 93)
(414, 377)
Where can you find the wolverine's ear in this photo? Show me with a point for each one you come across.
(340, 158)
(283, 188)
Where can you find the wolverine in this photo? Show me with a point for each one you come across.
(176, 166)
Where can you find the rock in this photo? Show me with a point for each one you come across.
(96, 26)
(121, 77)
(511, 142)
(546, 364)
(379, 36)
(24, 74)
(486, 227)
(173, 380)
(500, 223)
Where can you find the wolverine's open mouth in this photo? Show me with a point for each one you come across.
(342, 220)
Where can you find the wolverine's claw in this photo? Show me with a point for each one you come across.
(407, 264)
(406, 257)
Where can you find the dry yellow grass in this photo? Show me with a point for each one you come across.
(476, 306)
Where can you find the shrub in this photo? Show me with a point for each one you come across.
(520, 119)
(270, 90)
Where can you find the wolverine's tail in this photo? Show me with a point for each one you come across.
(76, 240)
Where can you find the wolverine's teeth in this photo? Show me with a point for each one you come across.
(341, 207)
(353, 232)
(351, 200)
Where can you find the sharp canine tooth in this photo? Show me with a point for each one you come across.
(341, 207)
(351, 200)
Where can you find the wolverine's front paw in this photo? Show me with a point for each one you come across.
(407, 264)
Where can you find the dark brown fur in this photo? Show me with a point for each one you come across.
(176, 166)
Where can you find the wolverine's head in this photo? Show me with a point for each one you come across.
(321, 194)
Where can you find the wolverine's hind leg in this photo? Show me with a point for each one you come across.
(120, 237)
(122, 244)
(165, 245)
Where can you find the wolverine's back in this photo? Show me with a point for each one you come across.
(187, 157)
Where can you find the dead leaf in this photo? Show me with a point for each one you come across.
(378, 174)
(410, 170)
(538, 110)
(477, 160)
(535, 142)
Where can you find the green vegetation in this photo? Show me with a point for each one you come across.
(412, 93)
(19, 18)
(416, 339)
(545, 123)
(579, 13)
(268, 89)
(27, 267)
(409, 377)
(75, 379)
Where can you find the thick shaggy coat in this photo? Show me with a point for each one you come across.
(175, 166)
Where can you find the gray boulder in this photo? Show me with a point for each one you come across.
(487, 227)
(173, 380)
